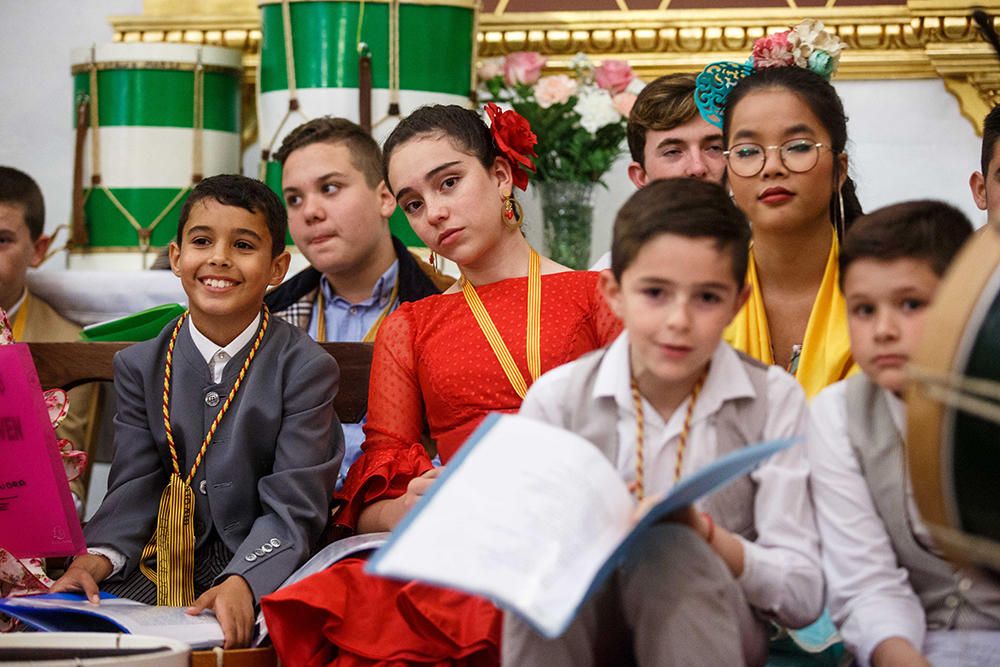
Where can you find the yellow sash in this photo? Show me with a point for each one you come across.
(533, 343)
(826, 347)
(20, 322)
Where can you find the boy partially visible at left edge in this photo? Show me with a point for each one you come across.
(23, 244)
(252, 437)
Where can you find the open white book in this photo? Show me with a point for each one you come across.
(70, 612)
(534, 518)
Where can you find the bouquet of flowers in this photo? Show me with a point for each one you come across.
(579, 120)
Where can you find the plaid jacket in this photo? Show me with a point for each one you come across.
(293, 300)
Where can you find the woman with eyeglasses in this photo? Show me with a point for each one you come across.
(786, 133)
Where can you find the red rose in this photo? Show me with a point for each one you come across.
(514, 140)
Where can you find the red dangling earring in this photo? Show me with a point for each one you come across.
(508, 207)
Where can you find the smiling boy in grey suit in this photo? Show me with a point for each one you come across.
(252, 441)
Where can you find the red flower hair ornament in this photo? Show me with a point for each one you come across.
(515, 141)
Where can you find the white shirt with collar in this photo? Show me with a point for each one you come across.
(12, 312)
(217, 358)
(870, 596)
(781, 574)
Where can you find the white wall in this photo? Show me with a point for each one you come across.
(36, 89)
(908, 138)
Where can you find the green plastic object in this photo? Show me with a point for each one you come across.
(134, 328)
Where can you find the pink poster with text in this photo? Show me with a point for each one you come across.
(37, 515)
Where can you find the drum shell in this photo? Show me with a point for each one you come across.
(34, 646)
(436, 55)
(146, 118)
(952, 454)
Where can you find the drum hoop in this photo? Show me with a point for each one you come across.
(966, 342)
(973, 271)
(461, 4)
(101, 66)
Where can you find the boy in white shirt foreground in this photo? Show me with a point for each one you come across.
(665, 399)
(895, 599)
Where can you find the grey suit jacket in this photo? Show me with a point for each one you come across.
(265, 483)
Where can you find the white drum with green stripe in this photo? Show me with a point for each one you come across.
(422, 52)
(163, 116)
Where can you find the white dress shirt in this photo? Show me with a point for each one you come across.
(12, 311)
(216, 357)
(782, 574)
(870, 596)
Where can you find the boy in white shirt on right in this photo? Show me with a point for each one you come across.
(896, 600)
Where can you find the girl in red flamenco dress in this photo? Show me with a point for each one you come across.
(440, 365)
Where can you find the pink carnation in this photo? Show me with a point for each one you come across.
(614, 75)
(554, 90)
(773, 51)
(623, 103)
(523, 67)
(490, 68)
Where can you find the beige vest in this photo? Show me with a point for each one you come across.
(737, 423)
(953, 598)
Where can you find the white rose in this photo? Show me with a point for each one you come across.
(490, 68)
(596, 109)
(554, 89)
(810, 35)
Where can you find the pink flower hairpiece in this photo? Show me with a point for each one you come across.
(515, 141)
(807, 45)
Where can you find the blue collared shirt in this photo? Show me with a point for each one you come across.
(348, 322)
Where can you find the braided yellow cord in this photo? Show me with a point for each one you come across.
(534, 333)
(640, 439)
(225, 405)
(640, 422)
(682, 441)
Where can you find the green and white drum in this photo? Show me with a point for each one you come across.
(422, 52)
(160, 117)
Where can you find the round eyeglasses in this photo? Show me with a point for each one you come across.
(798, 155)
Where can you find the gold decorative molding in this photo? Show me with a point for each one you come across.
(921, 39)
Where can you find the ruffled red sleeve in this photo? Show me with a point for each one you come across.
(392, 453)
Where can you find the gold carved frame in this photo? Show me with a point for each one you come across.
(918, 40)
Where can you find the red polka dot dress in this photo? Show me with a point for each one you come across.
(433, 372)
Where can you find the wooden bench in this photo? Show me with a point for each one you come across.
(67, 365)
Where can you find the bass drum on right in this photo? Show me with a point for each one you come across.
(953, 407)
